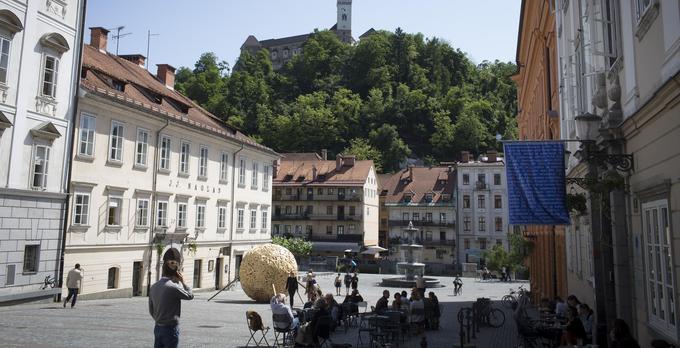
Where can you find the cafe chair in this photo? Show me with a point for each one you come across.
(255, 325)
(285, 330)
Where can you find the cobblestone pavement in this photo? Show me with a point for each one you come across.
(220, 322)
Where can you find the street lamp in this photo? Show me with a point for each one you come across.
(587, 129)
(587, 126)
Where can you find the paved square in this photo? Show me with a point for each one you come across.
(220, 322)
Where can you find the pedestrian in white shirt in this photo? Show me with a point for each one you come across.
(73, 283)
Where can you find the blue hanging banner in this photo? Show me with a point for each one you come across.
(536, 184)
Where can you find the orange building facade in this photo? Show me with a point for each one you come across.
(538, 119)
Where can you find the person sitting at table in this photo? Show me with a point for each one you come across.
(354, 297)
(586, 315)
(311, 301)
(574, 332)
(396, 303)
(333, 308)
(417, 311)
(560, 307)
(404, 299)
(323, 311)
(280, 308)
(546, 306)
(573, 302)
(382, 303)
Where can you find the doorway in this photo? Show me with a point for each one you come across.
(237, 264)
(197, 274)
(137, 276)
(218, 273)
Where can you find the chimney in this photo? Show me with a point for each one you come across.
(99, 38)
(314, 172)
(166, 74)
(491, 156)
(324, 154)
(137, 59)
(338, 162)
(277, 165)
(349, 161)
(410, 173)
(465, 156)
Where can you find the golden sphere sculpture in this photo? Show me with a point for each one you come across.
(263, 266)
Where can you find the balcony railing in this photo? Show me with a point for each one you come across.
(332, 198)
(481, 185)
(432, 242)
(346, 238)
(422, 223)
(439, 242)
(290, 217)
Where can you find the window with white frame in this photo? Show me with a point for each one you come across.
(610, 23)
(482, 224)
(114, 211)
(222, 217)
(116, 141)
(239, 218)
(41, 159)
(162, 214)
(182, 215)
(203, 162)
(81, 208)
(164, 157)
(142, 214)
(200, 216)
(265, 218)
(466, 224)
(641, 6)
(242, 171)
(659, 267)
(254, 175)
(142, 147)
(87, 132)
(184, 156)
(341, 229)
(265, 178)
(49, 76)
(442, 218)
(224, 167)
(253, 218)
(4, 59)
(498, 221)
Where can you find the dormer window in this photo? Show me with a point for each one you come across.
(288, 177)
(428, 197)
(321, 177)
(408, 197)
(446, 197)
(118, 85)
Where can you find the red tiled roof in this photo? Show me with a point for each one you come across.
(143, 91)
(301, 156)
(418, 181)
(300, 172)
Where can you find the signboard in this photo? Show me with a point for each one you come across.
(536, 184)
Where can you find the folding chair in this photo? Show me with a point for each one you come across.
(322, 331)
(288, 332)
(254, 325)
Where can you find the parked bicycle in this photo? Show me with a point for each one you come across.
(520, 296)
(49, 281)
(486, 314)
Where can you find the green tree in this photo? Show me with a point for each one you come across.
(360, 148)
(297, 246)
(393, 149)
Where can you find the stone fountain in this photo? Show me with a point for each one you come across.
(409, 266)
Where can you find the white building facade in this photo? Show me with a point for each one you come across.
(39, 58)
(482, 207)
(151, 171)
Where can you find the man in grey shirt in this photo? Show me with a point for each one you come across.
(164, 301)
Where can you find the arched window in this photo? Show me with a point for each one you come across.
(344, 17)
(113, 278)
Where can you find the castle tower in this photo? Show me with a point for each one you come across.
(344, 25)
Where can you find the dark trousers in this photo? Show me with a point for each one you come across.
(291, 295)
(166, 336)
(72, 293)
(422, 292)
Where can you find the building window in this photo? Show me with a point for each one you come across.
(329, 229)
(87, 131)
(416, 217)
(222, 217)
(466, 243)
(286, 229)
(142, 147)
(265, 178)
(497, 202)
(329, 210)
(184, 156)
(298, 229)
(31, 254)
(466, 179)
(265, 218)
(142, 218)
(239, 218)
(642, 6)
(482, 244)
(659, 266)
(482, 224)
(498, 221)
(428, 235)
(254, 175)
(114, 212)
(442, 218)
(352, 210)
(162, 214)
(496, 179)
(276, 229)
(428, 217)
(481, 178)
(200, 216)
(331, 191)
(81, 208)
(319, 191)
(341, 229)
(181, 215)
(499, 242)
(164, 160)
(466, 224)
(50, 72)
(466, 202)
(253, 218)
(203, 162)
(224, 167)
(112, 282)
(116, 142)
(404, 216)
(352, 228)
(4, 59)
(481, 202)
(242, 171)
(309, 210)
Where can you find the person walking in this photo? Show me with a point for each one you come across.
(457, 286)
(355, 282)
(291, 286)
(420, 285)
(73, 283)
(338, 285)
(165, 304)
(348, 282)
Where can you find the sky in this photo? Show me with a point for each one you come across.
(484, 29)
